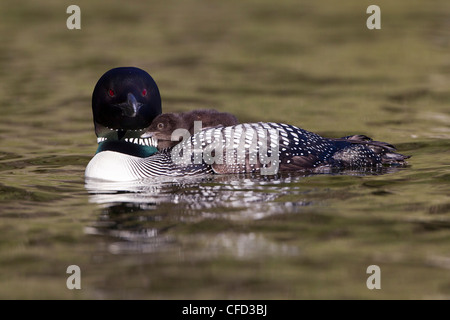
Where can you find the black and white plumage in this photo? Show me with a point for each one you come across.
(273, 147)
(265, 148)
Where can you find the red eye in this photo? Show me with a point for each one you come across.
(111, 93)
(144, 92)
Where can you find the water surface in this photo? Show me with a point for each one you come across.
(235, 236)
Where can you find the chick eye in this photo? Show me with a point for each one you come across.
(160, 125)
(144, 92)
(111, 93)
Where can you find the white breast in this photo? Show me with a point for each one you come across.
(112, 166)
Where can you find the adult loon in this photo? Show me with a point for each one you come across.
(164, 125)
(126, 100)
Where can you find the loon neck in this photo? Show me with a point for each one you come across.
(131, 149)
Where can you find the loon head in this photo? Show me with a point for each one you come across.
(125, 100)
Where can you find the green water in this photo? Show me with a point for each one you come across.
(310, 64)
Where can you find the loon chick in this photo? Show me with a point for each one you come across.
(164, 125)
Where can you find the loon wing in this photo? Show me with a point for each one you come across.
(259, 147)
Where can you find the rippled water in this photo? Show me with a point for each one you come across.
(233, 236)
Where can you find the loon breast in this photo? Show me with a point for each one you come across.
(113, 166)
(117, 166)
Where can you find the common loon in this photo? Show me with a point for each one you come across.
(126, 100)
(164, 125)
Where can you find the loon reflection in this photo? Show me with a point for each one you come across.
(242, 194)
(141, 215)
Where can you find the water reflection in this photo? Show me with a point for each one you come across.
(167, 214)
(141, 216)
(241, 246)
(201, 195)
(207, 192)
